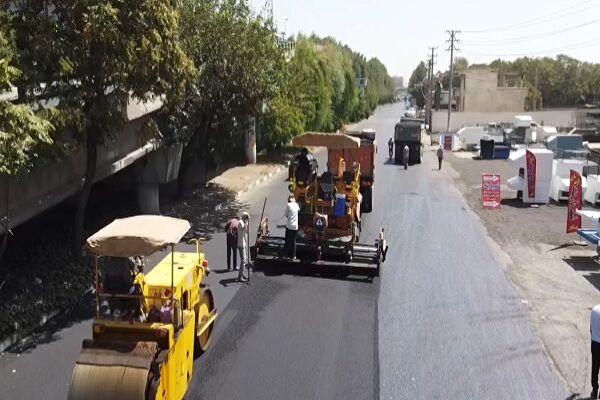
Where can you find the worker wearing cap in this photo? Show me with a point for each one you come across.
(595, 347)
(242, 243)
(291, 226)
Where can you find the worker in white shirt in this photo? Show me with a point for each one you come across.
(242, 243)
(405, 156)
(595, 336)
(291, 227)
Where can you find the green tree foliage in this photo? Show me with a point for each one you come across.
(323, 87)
(21, 130)
(93, 55)
(416, 84)
(240, 66)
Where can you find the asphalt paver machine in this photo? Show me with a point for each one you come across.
(148, 328)
(330, 220)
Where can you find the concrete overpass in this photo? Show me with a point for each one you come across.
(46, 186)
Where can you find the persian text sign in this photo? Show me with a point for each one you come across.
(574, 220)
(490, 191)
(531, 171)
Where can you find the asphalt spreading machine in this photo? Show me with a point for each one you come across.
(330, 219)
(148, 328)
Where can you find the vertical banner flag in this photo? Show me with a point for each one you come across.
(574, 220)
(531, 170)
(490, 191)
(448, 142)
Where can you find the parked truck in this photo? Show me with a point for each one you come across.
(409, 132)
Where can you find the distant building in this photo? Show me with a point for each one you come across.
(487, 90)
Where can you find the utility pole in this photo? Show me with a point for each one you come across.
(453, 41)
(429, 87)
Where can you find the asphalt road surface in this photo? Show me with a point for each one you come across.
(441, 322)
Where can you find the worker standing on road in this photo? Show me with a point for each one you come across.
(242, 243)
(595, 335)
(405, 156)
(391, 147)
(231, 229)
(291, 227)
(440, 156)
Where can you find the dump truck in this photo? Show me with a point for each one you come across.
(148, 328)
(330, 220)
(409, 132)
(367, 154)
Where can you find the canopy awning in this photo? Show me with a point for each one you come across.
(141, 235)
(329, 140)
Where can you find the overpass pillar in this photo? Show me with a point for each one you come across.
(147, 198)
(158, 167)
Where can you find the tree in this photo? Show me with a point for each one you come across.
(93, 55)
(240, 61)
(415, 83)
(21, 129)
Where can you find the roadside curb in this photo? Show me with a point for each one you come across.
(24, 333)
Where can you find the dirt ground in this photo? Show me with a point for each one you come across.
(558, 282)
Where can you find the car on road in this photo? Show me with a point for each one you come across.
(411, 113)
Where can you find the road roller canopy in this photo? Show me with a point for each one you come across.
(141, 235)
(330, 140)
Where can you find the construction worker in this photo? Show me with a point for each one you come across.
(291, 226)
(242, 243)
(231, 232)
(440, 156)
(405, 156)
(595, 347)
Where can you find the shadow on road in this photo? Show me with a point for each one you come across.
(207, 209)
(586, 264)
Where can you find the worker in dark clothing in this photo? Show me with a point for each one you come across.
(391, 147)
(303, 173)
(440, 156)
(231, 229)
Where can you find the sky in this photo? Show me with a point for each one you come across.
(399, 32)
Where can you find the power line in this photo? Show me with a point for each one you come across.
(581, 45)
(527, 38)
(536, 21)
(453, 41)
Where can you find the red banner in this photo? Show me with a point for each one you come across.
(490, 191)
(531, 171)
(448, 142)
(574, 220)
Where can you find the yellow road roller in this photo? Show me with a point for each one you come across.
(148, 328)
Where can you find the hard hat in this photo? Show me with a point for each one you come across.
(245, 215)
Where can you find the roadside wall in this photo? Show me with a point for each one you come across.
(558, 118)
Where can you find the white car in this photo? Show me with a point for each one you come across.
(411, 113)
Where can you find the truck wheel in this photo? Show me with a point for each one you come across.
(367, 201)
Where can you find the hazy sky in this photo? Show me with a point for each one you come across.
(399, 32)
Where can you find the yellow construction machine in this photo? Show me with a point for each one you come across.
(148, 328)
(330, 220)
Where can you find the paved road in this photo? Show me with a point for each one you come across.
(442, 322)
